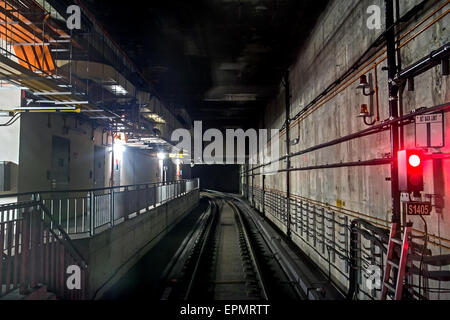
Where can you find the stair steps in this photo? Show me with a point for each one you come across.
(38, 294)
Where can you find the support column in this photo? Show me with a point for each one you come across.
(393, 107)
(263, 195)
(288, 152)
(253, 189)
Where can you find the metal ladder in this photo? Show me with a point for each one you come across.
(396, 288)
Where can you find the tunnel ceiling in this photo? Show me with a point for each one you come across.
(220, 59)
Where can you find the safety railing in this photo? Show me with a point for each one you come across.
(83, 213)
(351, 248)
(37, 229)
(327, 233)
(36, 252)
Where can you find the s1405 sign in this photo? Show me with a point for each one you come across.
(418, 208)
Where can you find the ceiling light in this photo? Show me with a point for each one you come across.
(117, 89)
(161, 156)
(44, 108)
(51, 93)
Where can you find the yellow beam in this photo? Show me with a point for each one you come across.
(43, 111)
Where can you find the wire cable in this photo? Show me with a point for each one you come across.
(11, 121)
(423, 254)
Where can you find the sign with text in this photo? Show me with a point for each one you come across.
(418, 208)
(430, 131)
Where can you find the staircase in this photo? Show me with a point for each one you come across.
(36, 253)
(39, 293)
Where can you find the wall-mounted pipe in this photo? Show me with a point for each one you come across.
(377, 96)
(404, 120)
(433, 59)
(353, 274)
(287, 88)
(111, 183)
(341, 84)
(393, 106)
(373, 162)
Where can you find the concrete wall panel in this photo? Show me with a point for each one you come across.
(113, 252)
(336, 42)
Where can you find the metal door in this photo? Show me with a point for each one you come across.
(99, 167)
(60, 166)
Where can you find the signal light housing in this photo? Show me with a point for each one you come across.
(410, 171)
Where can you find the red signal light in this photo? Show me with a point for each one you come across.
(414, 160)
(410, 171)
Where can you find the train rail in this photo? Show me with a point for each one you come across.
(227, 256)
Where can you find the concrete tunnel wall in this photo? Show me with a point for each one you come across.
(338, 39)
(32, 136)
(112, 253)
(10, 139)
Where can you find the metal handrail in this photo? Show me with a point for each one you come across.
(65, 236)
(30, 193)
(88, 211)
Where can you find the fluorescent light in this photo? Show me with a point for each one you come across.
(45, 108)
(51, 93)
(62, 102)
(161, 156)
(154, 117)
(117, 89)
(101, 118)
(72, 102)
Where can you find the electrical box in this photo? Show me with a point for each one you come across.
(5, 176)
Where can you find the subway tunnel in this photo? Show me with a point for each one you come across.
(264, 152)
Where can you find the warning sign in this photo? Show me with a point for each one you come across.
(430, 131)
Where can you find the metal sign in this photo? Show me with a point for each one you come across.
(430, 131)
(418, 208)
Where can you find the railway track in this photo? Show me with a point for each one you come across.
(225, 258)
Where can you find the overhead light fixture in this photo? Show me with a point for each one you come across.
(161, 155)
(92, 111)
(12, 86)
(62, 102)
(241, 97)
(52, 93)
(101, 118)
(261, 8)
(44, 108)
(117, 89)
(71, 102)
(154, 117)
